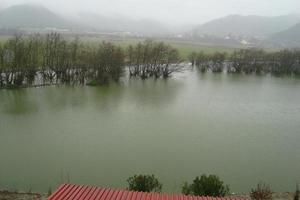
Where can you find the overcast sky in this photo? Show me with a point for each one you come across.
(170, 11)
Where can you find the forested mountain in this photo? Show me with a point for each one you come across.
(247, 25)
(290, 37)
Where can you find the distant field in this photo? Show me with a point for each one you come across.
(3, 38)
(184, 48)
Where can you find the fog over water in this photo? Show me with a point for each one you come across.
(168, 11)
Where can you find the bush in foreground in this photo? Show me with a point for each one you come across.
(297, 193)
(144, 183)
(261, 192)
(206, 186)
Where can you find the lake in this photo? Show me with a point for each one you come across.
(244, 128)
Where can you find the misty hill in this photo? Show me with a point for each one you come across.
(123, 24)
(29, 16)
(247, 25)
(38, 17)
(289, 37)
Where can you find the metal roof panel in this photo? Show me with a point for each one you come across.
(78, 192)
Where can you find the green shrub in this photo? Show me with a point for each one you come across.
(206, 186)
(144, 183)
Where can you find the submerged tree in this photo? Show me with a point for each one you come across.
(49, 59)
(250, 61)
(152, 59)
(192, 58)
(1, 66)
(205, 62)
(107, 63)
(217, 60)
(202, 61)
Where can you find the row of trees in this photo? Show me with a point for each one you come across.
(204, 185)
(50, 59)
(201, 186)
(249, 61)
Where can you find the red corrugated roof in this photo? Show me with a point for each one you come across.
(79, 192)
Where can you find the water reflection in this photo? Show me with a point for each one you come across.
(102, 135)
(153, 93)
(105, 98)
(18, 102)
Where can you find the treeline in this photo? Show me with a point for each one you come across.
(50, 59)
(204, 185)
(249, 61)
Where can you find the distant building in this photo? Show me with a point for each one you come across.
(244, 42)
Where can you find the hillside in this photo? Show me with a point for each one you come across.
(122, 24)
(247, 25)
(28, 16)
(38, 17)
(289, 37)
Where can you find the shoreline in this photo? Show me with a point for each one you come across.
(20, 195)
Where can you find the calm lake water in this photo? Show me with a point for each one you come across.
(246, 129)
